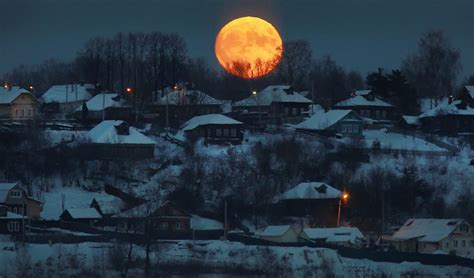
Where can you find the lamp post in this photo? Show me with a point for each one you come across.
(344, 198)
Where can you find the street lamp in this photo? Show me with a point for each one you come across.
(344, 198)
(254, 93)
(31, 87)
(129, 90)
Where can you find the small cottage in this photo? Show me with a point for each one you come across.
(89, 216)
(108, 205)
(367, 105)
(17, 104)
(16, 199)
(343, 236)
(333, 122)
(280, 233)
(66, 98)
(109, 106)
(10, 223)
(214, 128)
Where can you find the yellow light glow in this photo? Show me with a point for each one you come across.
(248, 47)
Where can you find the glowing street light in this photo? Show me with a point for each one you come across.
(254, 93)
(344, 198)
(129, 90)
(31, 87)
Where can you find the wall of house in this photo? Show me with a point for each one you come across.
(219, 134)
(70, 107)
(4, 226)
(349, 128)
(33, 209)
(449, 124)
(410, 245)
(24, 107)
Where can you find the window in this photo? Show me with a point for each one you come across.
(22, 112)
(384, 114)
(13, 226)
(164, 226)
(15, 193)
(179, 226)
(16, 112)
(464, 228)
(287, 110)
(463, 243)
(377, 114)
(344, 128)
(295, 111)
(355, 128)
(302, 110)
(17, 210)
(233, 132)
(446, 245)
(218, 132)
(209, 132)
(29, 112)
(226, 132)
(455, 244)
(472, 243)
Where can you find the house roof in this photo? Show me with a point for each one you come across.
(7, 96)
(106, 133)
(274, 93)
(187, 97)
(4, 189)
(411, 120)
(11, 215)
(202, 223)
(334, 235)
(427, 229)
(470, 90)
(109, 204)
(100, 101)
(310, 190)
(274, 230)
(83, 213)
(446, 108)
(209, 119)
(322, 120)
(362, 92)
(360, 100)
(75, 92)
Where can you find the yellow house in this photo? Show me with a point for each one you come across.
(281, 233)
(428, 235)
(17, 104)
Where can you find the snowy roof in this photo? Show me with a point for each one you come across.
(75, 92)
(341, 234)
(106, 133)
(411, 120)
(110, 204)
(427, 229)
(274, 230)
(362, 92)
(274, 93)
(446, 108)
(209, 119)
(359, 100)
(4, 189)
(201, 223)
(9, 95)
(187, 97)
(11, 215)
(310, 190)
(322, 120)
(100, 101)
(470, 90)
(83, 213)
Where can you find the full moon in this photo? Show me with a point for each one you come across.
(248, 47)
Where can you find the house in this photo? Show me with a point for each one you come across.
(333, 122)
(316, 199)
(66, 98)
(10, 223)
(429, 235)
(367, 105)
(109, 106)
(115, 139)
(280, 233)
(161, 220)
(214, 128)
(17, 104)
(409, 122)
(16, 199)
(450, 117)
(89, 216)
(275, 104)
(108, 205)
(344, 236)
(206, 228)
(177, 105)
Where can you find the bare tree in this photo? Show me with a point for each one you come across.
(295, 64)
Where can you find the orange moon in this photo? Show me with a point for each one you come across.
(248, 47)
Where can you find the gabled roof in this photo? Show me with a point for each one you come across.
(209, 119)
(83, 213)
(446, 108)
(109, 204)
(75, 92)
(360, 100)
(274, 93)
(470, 90)
(4, 189)
(411, 120)
(322, 120)
(427, 229)
(7, 96)
(100, 101)
(310, 190)
(274, 230)
(106, 133)
(187, 97)
(334, 235)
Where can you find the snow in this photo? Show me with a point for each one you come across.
(446, 108)
(83, 213)
(202, 223)
(4, 189)
(9, 95)
(362, 101)
(100, 101)
(274, 230)
(75, 92)
(110, 204)
(427, 229)
(398, 141)
(362, 92)
(470, 90)
(274, 93)
(411, 120)
(209, 119)
(322, 120)
(11, 215)
(56, 137)
(334, 235)
(309, 190)
(187, 97)
(106, 133)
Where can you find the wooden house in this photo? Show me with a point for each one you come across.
(276, 104)
(343, 236)
(66, 98)
(214, 128)
(116, 140)
(16, 199)
(89, 216)
(108, 106)
(367, 105)
(333, 122)
(278, 233)
(17, 104)
(10, 223)
(108, 205)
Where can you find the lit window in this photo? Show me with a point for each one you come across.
(13, 226)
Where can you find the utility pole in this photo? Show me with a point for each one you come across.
(103, 105)
(225, 220)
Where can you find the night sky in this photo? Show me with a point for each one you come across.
(360, 35)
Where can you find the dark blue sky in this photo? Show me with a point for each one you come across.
(359, 34)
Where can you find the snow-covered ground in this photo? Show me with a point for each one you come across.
(398, 141)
